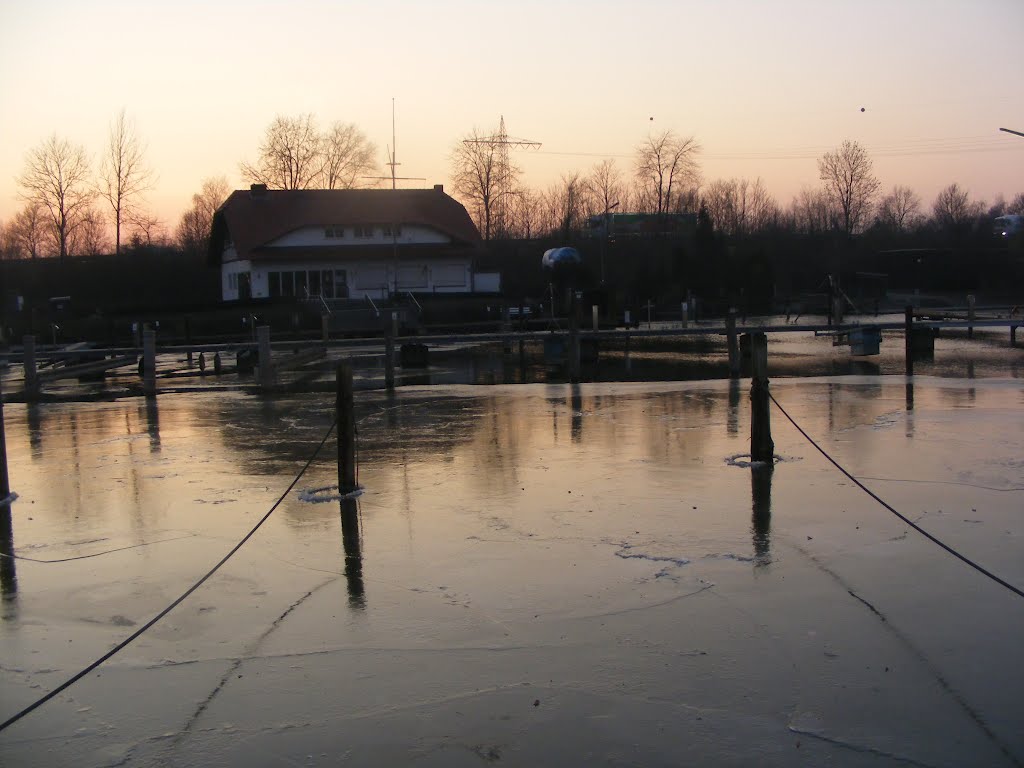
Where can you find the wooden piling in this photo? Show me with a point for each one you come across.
(325, 334)
(733, 344)
(594, 310)
(389, 354)
(344, 409)
(5, 484)
(1013, 335)
(216, 363)
(970, 315)
(626, 359)
(908, 333)
(188, 338)
(202, 363)
(684, 313)
(762, 448)
(506, 330)
(266, 362)
(149, 362)
(31, 371)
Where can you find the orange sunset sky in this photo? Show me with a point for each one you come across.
(766, 87)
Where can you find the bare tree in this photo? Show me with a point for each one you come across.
(899, 210)
(481, 176)
(811, 212)
(739, 206)
(348, 156)
(148, 228)
(291, 155)
(193, 233)
(124, 175)
(608, 190)
(666, 165)
(850, 184)
(28, 231)
(56, 177)
(90, 235)
(953, 208)
(524, 214)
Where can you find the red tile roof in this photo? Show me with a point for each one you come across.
(253, 219)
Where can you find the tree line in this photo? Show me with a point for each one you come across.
(71, 208)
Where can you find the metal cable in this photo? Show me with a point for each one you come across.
(909, 522)
(124, 643)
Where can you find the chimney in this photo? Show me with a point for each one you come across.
(257, 190)
(439, 188)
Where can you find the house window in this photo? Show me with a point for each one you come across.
(363, 230)
(391, 230)
(334, 232)
(314, 283)
(274, 283)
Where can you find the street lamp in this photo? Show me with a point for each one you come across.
(604, 235)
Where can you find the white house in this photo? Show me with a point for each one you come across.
(345, 244)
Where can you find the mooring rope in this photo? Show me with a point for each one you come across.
(881, 501)
(124, 643)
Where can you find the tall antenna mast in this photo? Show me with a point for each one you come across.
(392, 162)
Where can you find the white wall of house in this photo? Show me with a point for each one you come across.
(229, 277)
(371, 234)
(361, 278)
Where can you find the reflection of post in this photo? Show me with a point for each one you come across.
(149, 362)
(576, 403)
(351, 542)
(153, 424)
(29, 362)
(732, 419)
(761, 520)
(8, 572)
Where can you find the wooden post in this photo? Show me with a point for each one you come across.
(574, 348)
(970, 315)
(188, 338)
(31, 373)
(346, 429)
(324, 330)
(733, 344)
(216, 363)
(626, 356)
(684, 314)
(149, 362)
(594, 310)
(389, 355)
(265, 356)
(762, 448)
(506, 329)
(5, 483)
(1013, 335)
(908, 333)
(202, 363)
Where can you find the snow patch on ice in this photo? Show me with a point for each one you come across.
(327, 493)
(743, 461)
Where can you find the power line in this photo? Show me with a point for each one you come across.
(906, 520)
(124, 643)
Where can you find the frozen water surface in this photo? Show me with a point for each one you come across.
(534, 575)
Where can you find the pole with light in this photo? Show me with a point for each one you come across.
(604, 235)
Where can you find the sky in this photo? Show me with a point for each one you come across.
(765, 87)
